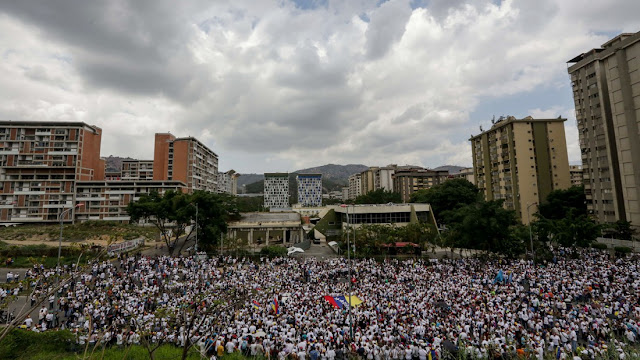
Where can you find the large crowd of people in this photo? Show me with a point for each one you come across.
(411, 309)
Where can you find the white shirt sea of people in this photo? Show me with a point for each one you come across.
(412, 309)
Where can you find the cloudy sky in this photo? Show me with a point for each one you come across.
(278, 85)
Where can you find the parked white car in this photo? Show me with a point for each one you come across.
(293, 250)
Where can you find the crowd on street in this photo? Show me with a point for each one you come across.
(414, 309)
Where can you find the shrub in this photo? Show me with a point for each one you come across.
(273, 251)
(623, 249)
(21, 344)
(600, 246)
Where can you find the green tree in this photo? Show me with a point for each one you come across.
(380, 196)
(250, 203)
(172, 212)
(161, 211)
(622, 230)
(484, 225)
(559, 202)
(575, 229)
(214, 211)
(447, 197)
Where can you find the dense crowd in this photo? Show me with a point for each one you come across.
(412, 309)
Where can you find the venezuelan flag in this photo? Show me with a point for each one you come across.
(255, 304)
(275, 306)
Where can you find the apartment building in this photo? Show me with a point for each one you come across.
(575, 173)
(108, 200)
(228, 182)
(136, 170)
(187, 160)
(355, 186)
(276, 191)
(521, 161)
(309, 190)
(466, 173)
(40, 163)
(606, 92)
(406, 181)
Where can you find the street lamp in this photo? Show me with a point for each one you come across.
(196, 245)
(61, 217)
(533, 254)
(350, 277)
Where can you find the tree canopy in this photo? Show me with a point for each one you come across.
(380, 196)
(174, 211)
(445, 198)
(484, 225)
(559, 203)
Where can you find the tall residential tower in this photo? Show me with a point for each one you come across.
(606, 91)
(521, 161)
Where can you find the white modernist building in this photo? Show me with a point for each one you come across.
(276, 191)
(309, 190)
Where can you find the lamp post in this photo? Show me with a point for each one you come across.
(61, 218)
(196, 245)
(533, 254)
(350, 277)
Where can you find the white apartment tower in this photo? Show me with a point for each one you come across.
(309, 190)
(276, 190)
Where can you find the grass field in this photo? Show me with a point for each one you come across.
(77, 232)
(60, 345)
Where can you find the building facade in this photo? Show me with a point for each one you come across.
(276, 191)
(228, 182)
(392, 214)
(521, 161)
(136, 170)
(355, 186)
(606, 92)
(408, 181)
(309, 190)
(467, 174)
(575, 172)
(40, 164)
(108, 200)
(187, 160)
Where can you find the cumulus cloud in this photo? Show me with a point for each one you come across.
(282, 85)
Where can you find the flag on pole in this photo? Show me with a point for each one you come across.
(255, 304)
(275, 306)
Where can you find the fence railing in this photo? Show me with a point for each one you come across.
(124, 246)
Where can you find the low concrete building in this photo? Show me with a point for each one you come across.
(267, 228)
(394, 214)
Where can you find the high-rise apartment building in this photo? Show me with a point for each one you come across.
(376, 178)
(355, 186)
(606, 92)
(40, 164)
(276, 191)
(228, 182)
(575, 173)
(187, 160)
(309, 190)
(136, 170)
(406, 181)
(521, 161)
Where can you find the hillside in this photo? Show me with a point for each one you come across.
(452, 169)
(114, 163)
(334, 177)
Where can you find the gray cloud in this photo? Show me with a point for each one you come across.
(271, 83)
